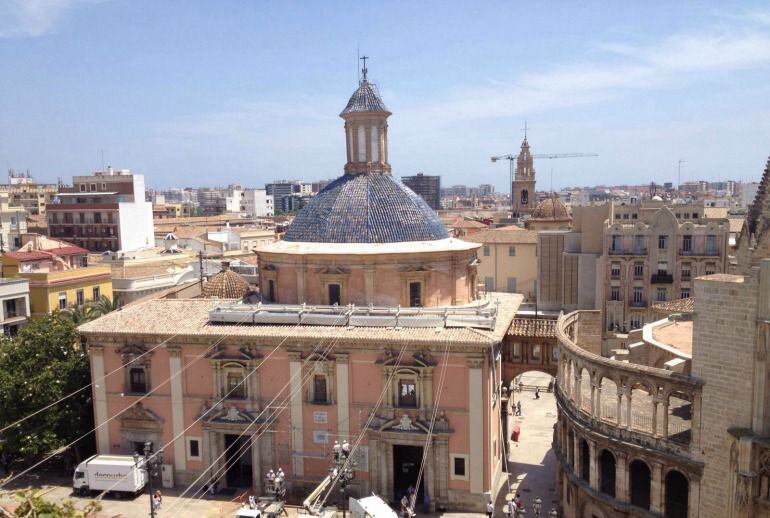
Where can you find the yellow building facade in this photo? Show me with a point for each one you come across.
(508, 260)
(59, 278)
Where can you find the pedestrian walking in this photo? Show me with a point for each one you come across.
(537, 393)
(490, 509)
(518, 408)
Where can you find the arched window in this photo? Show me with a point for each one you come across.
(607, 473)
(585, 461)
(571, 448)
(677, 495)
(640, 484)
(138, 380)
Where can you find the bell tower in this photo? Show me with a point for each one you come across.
(366, 129)
(524, 198)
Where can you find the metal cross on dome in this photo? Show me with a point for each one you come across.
(364, 70)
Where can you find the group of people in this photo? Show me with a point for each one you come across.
(275, 482)
(341, 451)
(407, 502)
(511, 506)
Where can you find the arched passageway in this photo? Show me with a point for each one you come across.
(607, 473)
(677, 492)
(585, 461)
(640, 480)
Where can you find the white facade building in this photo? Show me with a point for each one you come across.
(252, 202)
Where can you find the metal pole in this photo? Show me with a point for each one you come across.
(510, 174)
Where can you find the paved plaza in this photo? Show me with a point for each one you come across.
(532, 464)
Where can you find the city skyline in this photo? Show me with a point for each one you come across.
(187, 104)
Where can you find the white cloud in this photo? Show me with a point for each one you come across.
(29, 18)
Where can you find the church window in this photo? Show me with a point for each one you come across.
(138, 380)
(375, 145)
(524, 197)
(361, 144)
(319, 389)
(415, 294)
(407, 393)
(236, 386)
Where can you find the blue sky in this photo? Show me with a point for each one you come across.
(208, 93)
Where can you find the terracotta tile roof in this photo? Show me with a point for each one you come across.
(38, 255)
(736, 224)
(189, 318)
(511, 234)
(715, 212)
(675, 306)
(533, 328)
(461, 222)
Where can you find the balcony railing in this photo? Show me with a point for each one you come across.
(638, 304)
(628, 251)
(711, 252)
(662, 278)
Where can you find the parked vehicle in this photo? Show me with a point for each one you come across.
(118, 474)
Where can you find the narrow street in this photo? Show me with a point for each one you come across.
(531, 461)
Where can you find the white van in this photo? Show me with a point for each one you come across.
(118, 474)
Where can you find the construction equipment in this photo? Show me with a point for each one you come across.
(549, 156)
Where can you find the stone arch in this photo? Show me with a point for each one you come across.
(571, 447)
(677, 491)
(585, 388)
(639, 481)
(608, 400)
(607, 472)
(642, 394)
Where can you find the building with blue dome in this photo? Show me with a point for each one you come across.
(367, 238)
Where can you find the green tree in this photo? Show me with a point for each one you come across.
(38, 367)
(79, 315)
(32, 505)
(104, 305)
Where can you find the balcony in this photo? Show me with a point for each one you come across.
(637, 304)
(662, 278)
(711, 252)
(626, 251)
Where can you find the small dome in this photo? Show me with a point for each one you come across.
(366, 208)
(226, 285)
(365, 99)
(550, 208)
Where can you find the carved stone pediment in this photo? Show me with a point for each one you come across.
(333, 270)
(416, 268)
(404, 423)
(418, 359)
(226, 413)
(227, 353)
(139, 418)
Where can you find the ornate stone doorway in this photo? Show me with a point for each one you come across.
(238, 462)
(406, 467)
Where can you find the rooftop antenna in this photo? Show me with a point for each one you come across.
(364, 70)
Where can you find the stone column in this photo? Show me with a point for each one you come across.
(442, 471)
(369, 284)
(593, 398)
(619, 408)
(578, 389)
(100, 399)
(177, 407)
(297, 442)
(375, 466)
(656, 488)
(693, 499)
(594, 467)
(695, 422)
(206, 447)
(253, 385)
(576, 457)
(598, 402)
(622, 489)
(427, 383)
(655, 417)
(664, 420)
(343, 398)
(476, 424)
(628, 409)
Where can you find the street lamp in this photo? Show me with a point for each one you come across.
(537, 505)
(151, 464)
(553, 513)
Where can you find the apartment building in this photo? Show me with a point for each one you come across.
(58, 273)
(13, 224)
(23, 191)
(508, 260)
(652, 253)
(14, 305)
(105, 211)
(427, 186)
(252, 202)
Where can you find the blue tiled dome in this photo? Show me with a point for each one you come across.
(366, 208)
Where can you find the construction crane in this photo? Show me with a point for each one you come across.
(549, 156)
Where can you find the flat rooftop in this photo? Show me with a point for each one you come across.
(163, 318)
(677, 334)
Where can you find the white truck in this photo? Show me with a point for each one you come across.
(118, 474)
(370, 507)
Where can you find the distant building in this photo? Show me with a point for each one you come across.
(13, 224)
(252, 202)
(211, 201)
(103, 211)
(23, 191)
(508, 260)
(524, 199)
(428, 187)
(58, 273)
(14, 305)
(279, 188)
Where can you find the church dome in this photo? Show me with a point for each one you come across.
(366, 208)
(550, 209)
(365, 99)
(226, 285)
